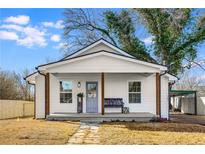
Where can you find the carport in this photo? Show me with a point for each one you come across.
(183, 94)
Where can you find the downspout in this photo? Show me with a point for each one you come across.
(169, 88)
(34, 96)
(161, 74)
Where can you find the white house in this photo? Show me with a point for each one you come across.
(101, 71)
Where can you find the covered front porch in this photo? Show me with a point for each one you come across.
(96, 89)
(97, 117)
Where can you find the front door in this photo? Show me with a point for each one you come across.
(91, 97)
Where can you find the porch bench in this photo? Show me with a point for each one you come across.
(114, 103)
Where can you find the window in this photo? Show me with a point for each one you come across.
(134, 92)
(66, 91)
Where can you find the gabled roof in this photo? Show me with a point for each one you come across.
(119, 54)
(31, 77)
(102, 52)
(78, 53)
(103, 41)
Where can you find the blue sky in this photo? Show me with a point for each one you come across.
(30, 37)
(38, 41)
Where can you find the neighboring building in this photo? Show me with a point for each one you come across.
(101, 71)
(188, 101)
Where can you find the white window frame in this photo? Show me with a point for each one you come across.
(61, 92)
(134, 92)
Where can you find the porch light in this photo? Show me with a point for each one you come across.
(79, 84)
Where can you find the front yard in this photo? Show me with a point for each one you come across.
(151, 133)
(29, 131)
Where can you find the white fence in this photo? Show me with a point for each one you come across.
(16, 108)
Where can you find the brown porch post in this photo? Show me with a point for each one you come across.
(102, 92)
(47, 94)
(158, 94)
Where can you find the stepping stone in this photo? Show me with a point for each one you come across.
(87, 134)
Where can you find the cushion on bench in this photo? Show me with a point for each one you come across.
(113, 102)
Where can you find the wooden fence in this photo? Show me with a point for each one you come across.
(16, 108)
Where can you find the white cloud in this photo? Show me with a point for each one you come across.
(32, 37)
(148, 40)
(48, 24)
(13, 27)
(57, 25)
(55, 38)
(27, 36)
(61, 46)
(6, 35)
(21, 19)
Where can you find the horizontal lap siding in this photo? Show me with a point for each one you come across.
(116, 85)
(40, 96)
(55, 104)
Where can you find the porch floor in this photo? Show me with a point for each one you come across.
(97, 117)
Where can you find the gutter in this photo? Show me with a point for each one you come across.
(40, 72)
(31, 83)
(163, 73)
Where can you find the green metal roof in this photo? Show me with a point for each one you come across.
(181, 92)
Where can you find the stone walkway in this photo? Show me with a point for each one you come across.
(86, 134)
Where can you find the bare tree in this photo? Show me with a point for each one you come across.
(188, 82)
(8, 86)
(24, 87)
(13, 86)
(84, 23)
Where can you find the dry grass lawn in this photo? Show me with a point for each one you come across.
(29, 131)
(151, 133)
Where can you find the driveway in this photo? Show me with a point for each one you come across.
(189, 119)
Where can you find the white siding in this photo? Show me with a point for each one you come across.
(56, 106)
(201, 105)
(164, 97)
(116, 86)
(188, 105)
(40, 96)
(99, 47)
(102, 63)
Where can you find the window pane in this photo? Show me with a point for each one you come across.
(66, 86)
(66, 97)
(138, 98)
(134, 98)
(134, 86)
(92, 90)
